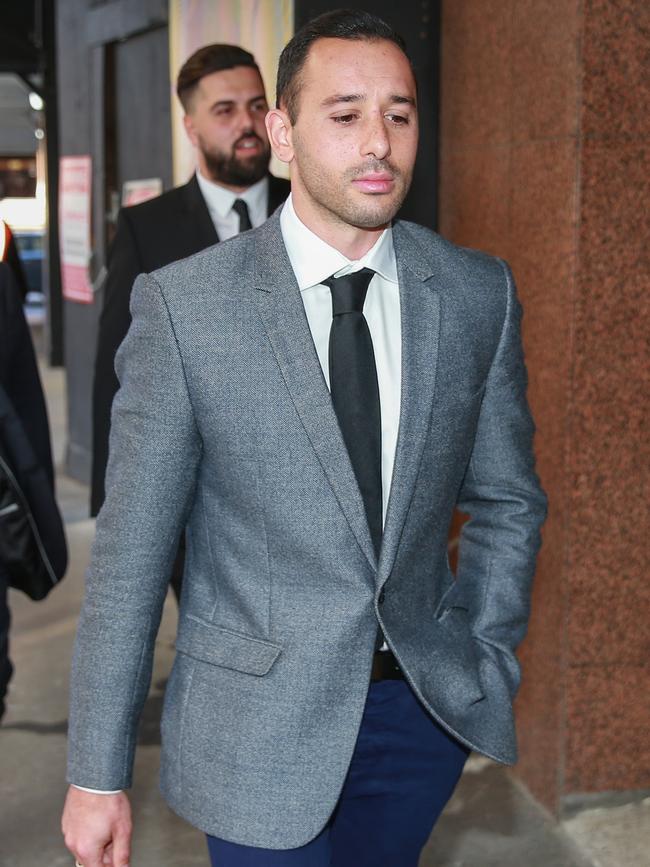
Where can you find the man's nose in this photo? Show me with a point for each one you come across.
(245, 120)
(376, 141)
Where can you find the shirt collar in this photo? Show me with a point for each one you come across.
(220, 200)
(313, 260)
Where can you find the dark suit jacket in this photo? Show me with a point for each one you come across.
(149, 236)
(25, 447)
(12, 258)
(19, 371)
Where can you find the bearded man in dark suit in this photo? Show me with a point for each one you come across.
(222, 93)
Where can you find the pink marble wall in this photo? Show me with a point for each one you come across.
(545, 124)
(608, 632)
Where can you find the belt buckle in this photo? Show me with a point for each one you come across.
(385, 667)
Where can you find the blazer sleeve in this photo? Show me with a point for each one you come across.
(507, 507)
(154, 456)
(124, 265)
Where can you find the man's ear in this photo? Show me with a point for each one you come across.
(188, 123)
(280, 133)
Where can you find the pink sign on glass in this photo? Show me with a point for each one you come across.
(75, 186)
(134, 192)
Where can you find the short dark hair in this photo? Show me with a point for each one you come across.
(338, 24)
(210, 58)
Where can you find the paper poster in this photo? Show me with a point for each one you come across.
(75, 185)
(134, 192)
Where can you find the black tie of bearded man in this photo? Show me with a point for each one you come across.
(240, 207)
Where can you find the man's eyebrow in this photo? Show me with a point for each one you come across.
(222, 103)
(402, 99)
(359, 97)
(342, 97)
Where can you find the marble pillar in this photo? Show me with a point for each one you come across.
(545, 161)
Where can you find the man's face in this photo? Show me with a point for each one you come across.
(356, 132)
(225, 122)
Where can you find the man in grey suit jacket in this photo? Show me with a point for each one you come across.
(312, 400)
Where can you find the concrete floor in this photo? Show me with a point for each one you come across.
(490, 822)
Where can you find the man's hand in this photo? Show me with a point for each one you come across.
(97, 828)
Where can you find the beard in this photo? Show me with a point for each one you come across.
(231, 168)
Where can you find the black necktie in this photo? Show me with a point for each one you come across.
(355, 391)
(240, 207)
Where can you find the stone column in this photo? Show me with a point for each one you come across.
(545, 161)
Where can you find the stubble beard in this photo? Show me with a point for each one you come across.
(234, 170)
(332, 195)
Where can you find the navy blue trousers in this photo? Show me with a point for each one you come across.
(403, 771)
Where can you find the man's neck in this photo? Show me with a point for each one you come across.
(352, 241)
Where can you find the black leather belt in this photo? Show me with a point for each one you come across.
(385, 667)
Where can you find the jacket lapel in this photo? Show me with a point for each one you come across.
(285, 321)
(202, 225)
(420, 322)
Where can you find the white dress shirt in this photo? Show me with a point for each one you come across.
(313, 260)
(220, 201)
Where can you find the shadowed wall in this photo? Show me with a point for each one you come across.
(545, 161)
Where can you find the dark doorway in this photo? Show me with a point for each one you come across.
(137, 121)
(143, 128)
(27, 49)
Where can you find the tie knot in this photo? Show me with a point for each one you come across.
(349, 291)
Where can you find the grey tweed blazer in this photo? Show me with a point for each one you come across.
(224, 424)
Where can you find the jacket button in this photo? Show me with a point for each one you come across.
(381, 597)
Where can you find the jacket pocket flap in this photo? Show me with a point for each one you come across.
(218, 646)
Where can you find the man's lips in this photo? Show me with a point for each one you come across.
(375, 182)
(249, 145)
